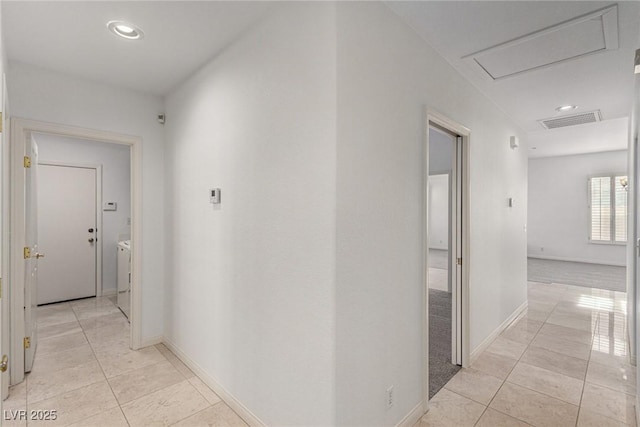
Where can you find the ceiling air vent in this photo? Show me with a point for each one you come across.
(572, 120)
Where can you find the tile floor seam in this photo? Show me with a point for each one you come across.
(191, 415)
(498, 391)
(66, 391)
(540, 392)
(126, 420)
(195, 413)
(513, 367)
(84, 332)
(481, 415)
(147, 393)
(610, 389)
(528, 346)
(555, 352)
(95, 355)
(201, 394)
(584, 384)
(205, 384)
(466, 397)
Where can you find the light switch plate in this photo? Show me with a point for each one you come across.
(109, 206)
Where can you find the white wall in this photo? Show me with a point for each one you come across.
(438, 227)
(387, 75)
(441, 148)
(3, 55)
(250, 284)
(558, 207)
(116, 186)
(52, 97)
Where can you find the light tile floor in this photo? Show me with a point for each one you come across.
(85, 370)
(563, 363)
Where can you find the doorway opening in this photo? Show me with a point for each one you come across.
(446, 251)
(75, 207)
(84, 207)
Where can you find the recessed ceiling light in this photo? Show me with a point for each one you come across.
(125, 30)
(564, 108)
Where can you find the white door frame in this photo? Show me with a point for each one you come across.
(6, 223)
(20, 132)
(98, 169)
(444, 122)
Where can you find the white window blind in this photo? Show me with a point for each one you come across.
(608, 209)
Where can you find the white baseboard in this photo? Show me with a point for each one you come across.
(152, 341)
(227, 397)
(414, 416)
(586, 261)
(487, 342)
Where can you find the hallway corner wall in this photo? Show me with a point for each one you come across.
(250, 294)
(387, 77)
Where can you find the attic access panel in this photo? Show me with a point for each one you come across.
(578, 37)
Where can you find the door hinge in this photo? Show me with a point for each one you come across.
(26, 253)
(0, 122)
(27, 161)
(459, 261)
(0, 287)
(27, 342)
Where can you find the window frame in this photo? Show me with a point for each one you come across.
(612, 201)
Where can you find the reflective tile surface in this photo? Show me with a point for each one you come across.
(565, 362)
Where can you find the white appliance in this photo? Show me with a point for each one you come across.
(124, 277)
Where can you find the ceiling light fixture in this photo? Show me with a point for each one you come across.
(564, 108)
(125, 30)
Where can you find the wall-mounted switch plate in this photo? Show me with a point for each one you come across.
(109, 206)
(214, 196)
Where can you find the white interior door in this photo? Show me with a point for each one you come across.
(31, 260)
(446, 224)
(455, 253)
(633, 220)
(456, 231)
(67, 233)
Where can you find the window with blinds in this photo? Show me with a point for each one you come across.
(608, 209)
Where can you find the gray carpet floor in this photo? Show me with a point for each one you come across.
(439, 259)
(441, 370)
(577, 273)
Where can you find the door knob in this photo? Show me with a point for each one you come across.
(91, 230)
(38, 255)
(91, 240)
(4, 364)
